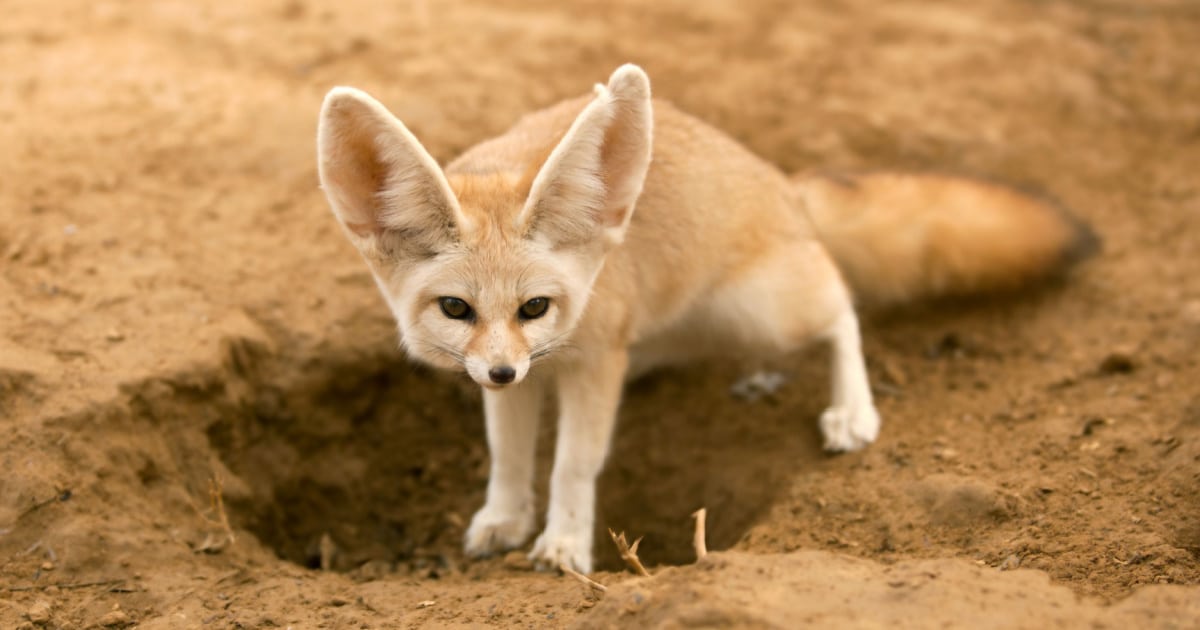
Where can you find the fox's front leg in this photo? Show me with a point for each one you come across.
(507, 517)
(589, 394)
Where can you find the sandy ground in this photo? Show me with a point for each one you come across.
(177, 306)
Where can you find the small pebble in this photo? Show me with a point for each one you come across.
(115, 619)
(1117, 363)
(39, 612)
(758, 385)
(946, 454)
(518, 560)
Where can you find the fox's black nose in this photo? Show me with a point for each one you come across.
(502, 374)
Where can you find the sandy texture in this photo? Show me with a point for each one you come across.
(177, 305)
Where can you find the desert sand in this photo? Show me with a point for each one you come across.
(181, 320)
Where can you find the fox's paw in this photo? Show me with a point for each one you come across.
(553, 551)
(849, 428)
(495, 530)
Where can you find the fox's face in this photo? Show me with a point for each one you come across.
(493, 304)
(486, 272)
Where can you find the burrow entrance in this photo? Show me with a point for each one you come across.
(367, 462)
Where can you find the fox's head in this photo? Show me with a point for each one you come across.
(488, 271)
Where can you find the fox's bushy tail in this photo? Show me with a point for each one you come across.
(900, 237)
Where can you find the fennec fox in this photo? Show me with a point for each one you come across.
(574, 251)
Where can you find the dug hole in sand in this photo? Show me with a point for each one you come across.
(208, 425)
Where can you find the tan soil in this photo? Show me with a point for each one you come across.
(178, 305)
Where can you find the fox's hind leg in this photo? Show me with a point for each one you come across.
(850, 422)
(789, 298)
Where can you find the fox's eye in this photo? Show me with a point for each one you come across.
(455, 308)
(534, 308)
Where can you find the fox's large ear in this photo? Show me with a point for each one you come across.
(588, 186)
(383, 185)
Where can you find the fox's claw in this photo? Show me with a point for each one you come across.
(849, 428)
(551, 552)
(494, 530)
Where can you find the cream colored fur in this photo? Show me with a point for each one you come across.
(704, 250)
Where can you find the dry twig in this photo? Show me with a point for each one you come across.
(216, 499)
(327, 548)
(698, 537)
(629, 552)
(70, 585)
(220, 520)
(583, 578)
(58, 498)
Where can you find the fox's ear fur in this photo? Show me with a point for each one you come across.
(383, 186)
(588, 186)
